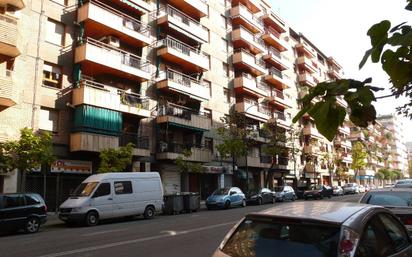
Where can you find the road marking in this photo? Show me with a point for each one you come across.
(104, 232)
(137, 240)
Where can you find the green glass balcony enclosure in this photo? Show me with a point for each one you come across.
(97, 120)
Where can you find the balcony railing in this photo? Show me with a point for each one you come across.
(263, 86)
(126, 58)
(8, 35)
(141, 142)
(250, 104)
(179, 111)
(276, 72)
(185, 80)
(180, 46)
(279, 115)
(244, 11)
(277, 93)
(250, 57)
(272, 32)
(180, 148)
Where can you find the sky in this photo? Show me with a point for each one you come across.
(338, 28)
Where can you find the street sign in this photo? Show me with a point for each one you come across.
(71, 167)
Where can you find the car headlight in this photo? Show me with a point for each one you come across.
(253, 197)
(77, 209)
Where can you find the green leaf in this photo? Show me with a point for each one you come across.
(396, 27)
(365, 58)
(378, 34)
(302, 112)
(328, 117)
(409, 6)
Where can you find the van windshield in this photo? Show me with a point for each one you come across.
(85, 189)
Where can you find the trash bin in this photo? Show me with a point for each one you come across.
(173, 204)
(191, 201)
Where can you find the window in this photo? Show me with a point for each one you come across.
(123, 187)
(12, 201)
(225, 69)
(208, 113)
(209, 143)
(102, 190)
(226, 95)
(31, 200)
(391, 198)
(223, 21)
(52, 75)
(368, 245)
(55, 32)
(224, 45)
(49, 120)
(395, 231)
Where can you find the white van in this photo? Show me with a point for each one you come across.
(112, 195)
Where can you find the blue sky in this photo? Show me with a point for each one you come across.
(339, 29)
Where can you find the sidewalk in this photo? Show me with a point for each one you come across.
(53, 219)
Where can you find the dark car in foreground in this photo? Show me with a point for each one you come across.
(283, 193)
(398, 200)
(318, 192)
(260, 196)
(22, 211)
(318, 229)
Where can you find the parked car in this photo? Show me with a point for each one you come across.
(361, 189)
(327, 229)
(351, 188)
(318, 192)
(398, 200)
(367, 188)
(113, 195)
(22, 211)
(226, 198)
(283, 193)
(260, 196)
(404, 183)
(337, 190)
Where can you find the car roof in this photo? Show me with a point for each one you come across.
(121, 175)
(391, 189)
(323, 211)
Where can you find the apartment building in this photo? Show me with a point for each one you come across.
(399, 155)
(100, 74)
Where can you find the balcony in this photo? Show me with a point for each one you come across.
(245, 61)
(305, 49)
(101, 20)
(252, 161)
(248, 84)
(253, 110)
(20, 4)
(272, 20)
(141, 6)
(184, 84)
(141, 143)
(7, 94)
(242, 38)
(343, 142)
(241, 16)
(344, 130)
(280, 119)
(8, 36)
(189, 58)
(98, 58)
(91, 142)
(306, 64)
(194, 8)
(183, 117)
(308, 79)
(171, 151)
(273, 38)
(277, 78)
(334, 74)
(276, 59)
(179, 22)
(278, 98)
(346, 158)
(104, 96)
(311, 149)
(252, 5)
(309, 130)
(357, 135)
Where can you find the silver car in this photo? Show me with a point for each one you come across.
(318, 229)
(351, 188)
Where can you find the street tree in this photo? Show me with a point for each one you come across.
(358, 157)
(30, 152)
(234, 134)
(185, 165)
(392, 47)
(115, 159)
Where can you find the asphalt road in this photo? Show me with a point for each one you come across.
(187, 235)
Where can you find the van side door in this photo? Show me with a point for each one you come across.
(124, 198)
(102, 200)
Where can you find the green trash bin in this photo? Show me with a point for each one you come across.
(173, 204)
(191, 201)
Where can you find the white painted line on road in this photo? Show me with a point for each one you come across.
(104, 232)
(137, 240)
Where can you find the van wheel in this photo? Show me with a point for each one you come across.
(92, 218)
(149, 212)
(32, 225)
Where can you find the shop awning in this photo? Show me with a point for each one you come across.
(187, 127)
(133, 5)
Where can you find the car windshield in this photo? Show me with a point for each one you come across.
(349, 185)
(391, 198)
(85, 189)
(278, 189)
(221, 191)
(270, 238)
(316, 187)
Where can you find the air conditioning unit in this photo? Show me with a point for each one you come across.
(111, 40)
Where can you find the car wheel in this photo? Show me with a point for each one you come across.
(32, 225)
(293, 198)
(149, 212)
(273, 200)
(227, 204)
(306, 198)
(243, 203)
(92, 218)
(260, 201)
